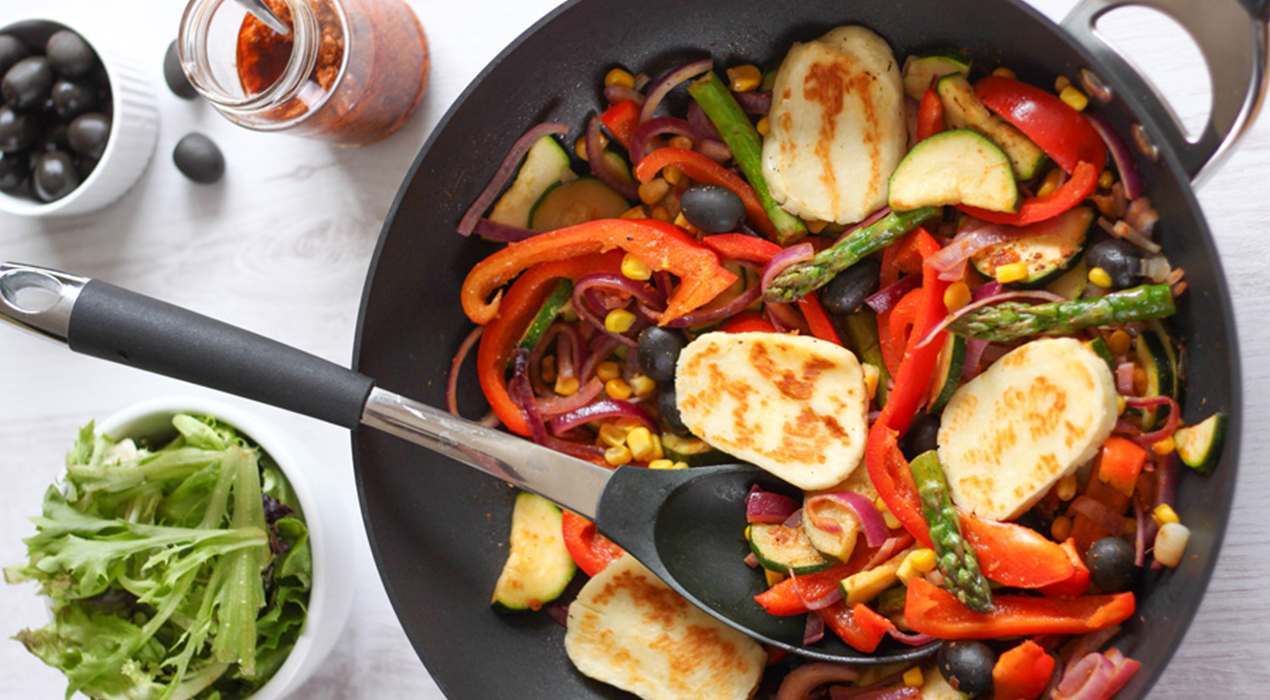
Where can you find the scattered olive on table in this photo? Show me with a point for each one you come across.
(659, 350)
(174, 75)
(1119, 259)
(668, 406)
(967, 666)
(1111, 566)
(923, 435)
(712, 209)
(847, 291)
(199, 159)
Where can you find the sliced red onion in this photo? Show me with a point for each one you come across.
(1056, 676)
(1098, 512)
(767, 506)
(871, 523)
(717, 151)
(886, 298)
(1167, 472)
(754, 103)
(568, 349)
(651, 129)
(829, 598)
(732, 308)
(1170, 425)
(603, 346)
(950, 261)
(784, 259)
(603, 409)
(892, 692)
(643, 293)
(1037, 294)
(621, 93)
(658, 91)
(702, 127)
(813, 630)
(866, 221)
(986, 290)
(1124, 378)
(558, 612)
(911, 639)
(1125, 668)
(889, 548)
(602, 167)
(1094, 641)
(783, 317)
(456, 364)
(504, 173)
(751, 560)
(1088, 679)
(799, 683)
(559, 405)
(795, 519)
(975, 348)
(1121, 154)
(523, 394)
(502, 233)
(1144, 534)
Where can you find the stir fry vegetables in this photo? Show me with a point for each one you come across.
(1005, 410)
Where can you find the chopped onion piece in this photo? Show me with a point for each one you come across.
(768, 506)
(669, 82)
(1121, 154)
(871, 522)
(799, 683)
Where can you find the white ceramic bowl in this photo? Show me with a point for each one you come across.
(330, 519)
(134, 127)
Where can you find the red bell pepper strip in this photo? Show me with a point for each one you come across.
(662, 245)
(784, 598)
(893, 336)
(858, 626)
(621, 120)
(912, 379)
(1085, 530)
(930, 115)
(748, 322)
(704, 170)
(817, 320)
(1081, 184)
(1022, 673)
(889, 472)
(517, 310)
(1015, 555)
(591, 551)
(1078, 583)
(931, 610)
(1064, 134)
(1120, 464)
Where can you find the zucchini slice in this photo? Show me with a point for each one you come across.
(1071, 284)
(546, 164)
(921, 71)
(1199, 445)
(1048, 248)
(963, 110)
(575, 202)
(690, 451)
(1156, 356)
(954, 167)
(952, 360)
(538, 566)
(1101, 349)
(785, 549)
(551, 306)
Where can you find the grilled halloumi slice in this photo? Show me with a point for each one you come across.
(837, 126)
(792, 405)
(627, 629)
(1033, 417)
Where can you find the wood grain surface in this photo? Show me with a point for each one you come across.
(281, 247)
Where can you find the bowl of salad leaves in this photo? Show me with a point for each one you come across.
(183, 554)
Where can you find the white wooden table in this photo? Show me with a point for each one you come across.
(281, 247)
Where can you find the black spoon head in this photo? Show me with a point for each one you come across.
(687, 526)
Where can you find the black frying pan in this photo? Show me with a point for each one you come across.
(438, 532)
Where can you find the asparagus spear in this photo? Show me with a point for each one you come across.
(956, 559)
(799, 280)
(747, 149)
(1013, 320)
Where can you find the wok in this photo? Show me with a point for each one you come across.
(438, 531)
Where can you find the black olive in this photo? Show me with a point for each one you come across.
(55, 138)
(967, 666)
(12, 50)
(669, 409)
(88, 134)
(27, 83)
(174, 75)
(70, 55)
(712, 209)
(72, 99)
(848, 289)
(17, 131)
(14, 171)
(1110, 562)
(199, 159)
(55, 175)
(923, 435)
(659, 350)
(1121, 260)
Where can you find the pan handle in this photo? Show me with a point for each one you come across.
(1231, 35)
(99, 319)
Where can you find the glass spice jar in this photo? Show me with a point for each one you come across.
(350, 71)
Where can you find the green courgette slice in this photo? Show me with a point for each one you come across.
(538, 565)
(1199, 445)
(785, 549)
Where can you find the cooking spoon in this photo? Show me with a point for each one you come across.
(261, 11)
(684, 525)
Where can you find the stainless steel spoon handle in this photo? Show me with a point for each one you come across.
(102, 320)
(261, 11)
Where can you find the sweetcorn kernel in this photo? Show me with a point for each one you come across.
(681, 465)
(923, 559)
(1011, 272)
(566, 386)
(608, 370)
(1003, 72)
(661, 464)
(1067, 488)
(1163, 447)
(1051, 182)
(643, 386)
(1099, 276)
(764, 126)
(1061, 83)
(620, 77)
(913, 677)
(619, 321)
(635, 269)
(617, 456)
(640, 441)
(956, 296)
(613, 435)
(617, 389)
(1118, 342)
(674, 175)
(681, 142)
(1061, 528)
(871, 377)
(744, 78)
(1074, 98)
(652, 191)
(635, 212)
(661, 213)
(891, 521)
(1164, 514)
(1106, 180)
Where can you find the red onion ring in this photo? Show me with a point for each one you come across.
(798, 684)
(911, 639)
(795, 519)
(504, 173)
(871, 523)
(1094, 641)
(950, 261)
(569, 348)
(751, 560)
(786, 258)
(884, 299)
(1125, 668)
(651, 129)
(866, 221)
(1144, 534)
(717, 151)
(669, 82)
(888, 550)
(732, 308)
(601, 167)
(783, 317)
(767, 506)
(1096, 511)
(1121, 154)
(599, 350)
(702, 127)
(559, 405)
(1039, 294)
(523, 394)
(558, 612)
(1088, 679)
(974, 355)
(502, 233)
(1124, 378)
(641, 293)
(813, 630)
(456, 364)
(1170, 426)
(886, 693)
(601, 410)
(621, 93)
(1167, 472)
(754, 103)
(833, 596)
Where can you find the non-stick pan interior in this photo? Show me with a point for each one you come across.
(439, 530)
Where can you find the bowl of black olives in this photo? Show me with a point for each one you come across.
(77, 124)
